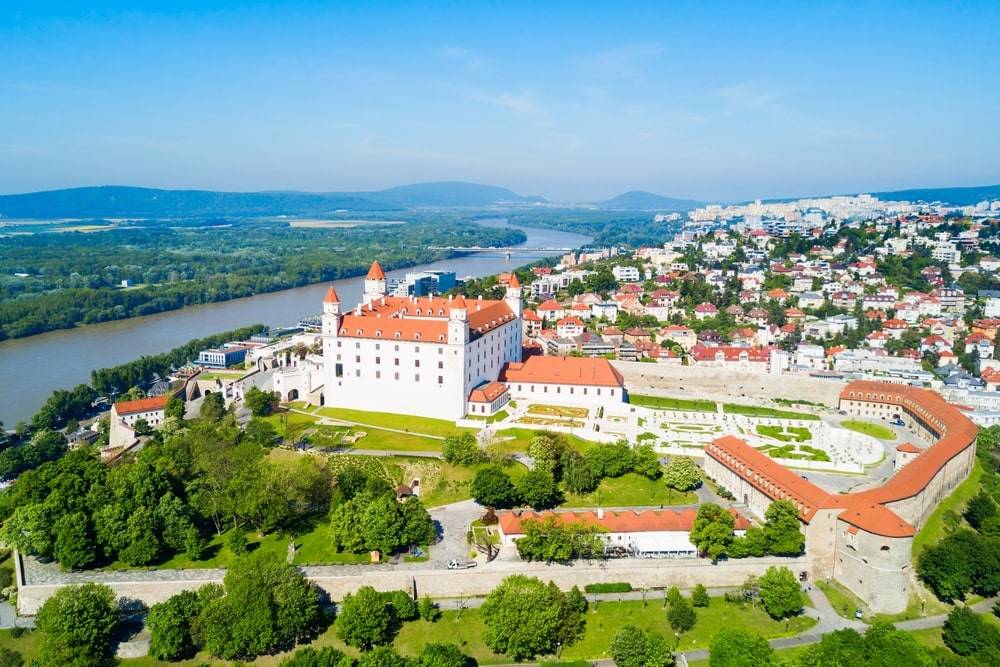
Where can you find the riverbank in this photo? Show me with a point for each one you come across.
(31, 368)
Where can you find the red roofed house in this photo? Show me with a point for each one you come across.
(551, 310)
(568, 327)
(730, 356)
(565, 380)
(636, 533)
(703, 311)
(487, 399)
(124, 415)
(532, 323)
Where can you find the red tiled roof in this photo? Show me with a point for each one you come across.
(514, 282)
(331, 296)
(628, 521)
(564, 370)
(729, 353)
(865, 510)
(424, 318)
(551, 304)
(375, 272)
(908, 448)
(487, 393)
(531, 316)
(141, 405)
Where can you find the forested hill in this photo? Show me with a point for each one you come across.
(953, 196)
(113, 201)
(637, 200)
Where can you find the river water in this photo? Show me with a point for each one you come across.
(31, 368)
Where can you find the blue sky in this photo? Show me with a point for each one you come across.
(576, 100)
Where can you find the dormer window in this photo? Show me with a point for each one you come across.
(417, 335)
(397, 334)
(378, 333)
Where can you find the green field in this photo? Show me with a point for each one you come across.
(662, 403)
(868, 428)
(293, 426)
(419, 425)
(630, 489)
(756, 411)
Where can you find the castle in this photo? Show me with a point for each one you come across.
(406, 354)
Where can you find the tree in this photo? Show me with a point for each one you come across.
(980, 508)
(461, 449)
(577, 474)
(731, 647)
(712, 530)
(143, 545)
(174, 408)
(681, 616)
(554, 541)
(632, 647)
(74, 546)
(576, 600)
(967, 633)
(682, 474)
(76, 623)
(780, 592)
(418, 527)
(10, 657)
(428, 610)
(259, 403)
(546, 450)
(443, 655)
(169, 624)
(491, 487)
(213, 407)
(364, 619)
(323, 657)
(782, 529)
(538, 488)
(882, 645)
(753, 543)
(949, 567)
(646, 462)
(699, 598)
(267, 603)
(382, 656)
(610, 460)
(261, 432)
(525, 618)
(236, 540)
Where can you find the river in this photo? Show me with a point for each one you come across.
(32, 368)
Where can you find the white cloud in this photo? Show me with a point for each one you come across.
(522, 103)
(751, 95)
(625, 62)
(470, 59)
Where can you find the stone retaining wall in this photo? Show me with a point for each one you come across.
(723, 384)
(438, 582)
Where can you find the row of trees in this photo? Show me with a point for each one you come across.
(781, 535)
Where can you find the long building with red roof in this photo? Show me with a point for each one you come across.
(643, 533)
(863, 539)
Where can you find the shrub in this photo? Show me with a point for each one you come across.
(613, 587)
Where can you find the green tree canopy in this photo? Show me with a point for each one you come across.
(525, 617)
(780, 592)
(76, 625)
(732, 647)
(682, 474)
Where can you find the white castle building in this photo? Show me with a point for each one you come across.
(408, 355)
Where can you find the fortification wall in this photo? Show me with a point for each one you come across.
(438, 582)
(724, 384)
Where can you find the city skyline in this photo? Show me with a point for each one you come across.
(717, 103)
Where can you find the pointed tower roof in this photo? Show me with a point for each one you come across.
(331, 296)
(376, 272)
(459, 302)
(514, 282)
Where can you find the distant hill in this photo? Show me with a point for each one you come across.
(447, 193)
(637, 200)
(111, 201)
(953, 196)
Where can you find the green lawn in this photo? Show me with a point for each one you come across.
(522, 437)
(28, 645)
(662, 403)
(420, 425)
(933, 530)
(630, 489)
(844, 602)
(312, 542)
(399, 442)
(785, 434)
(756, 411)
(466, 628)
(868, 428)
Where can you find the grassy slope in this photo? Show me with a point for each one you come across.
(933, 530)
(662, 403)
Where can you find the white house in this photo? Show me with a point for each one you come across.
(639, 533)
(125, 414)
